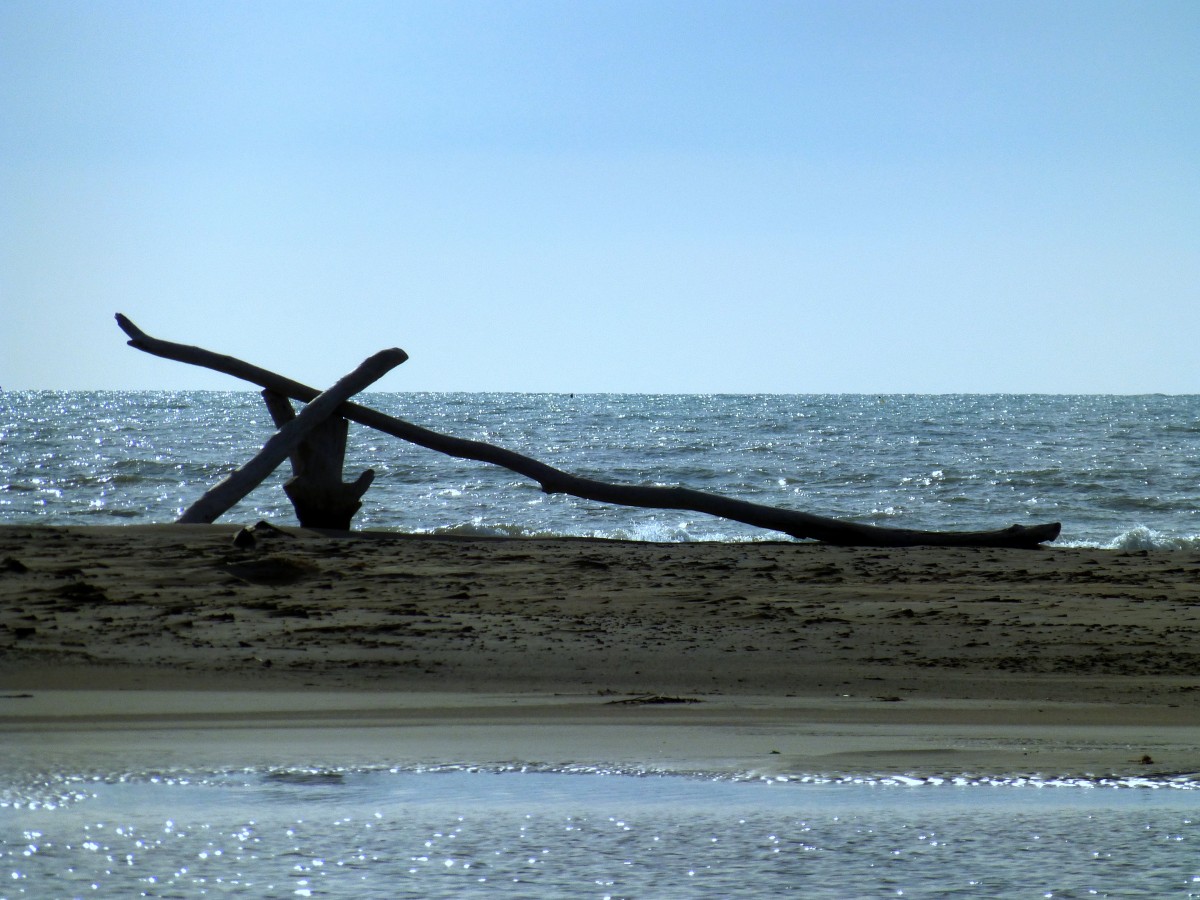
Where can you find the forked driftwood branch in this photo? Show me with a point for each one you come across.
(287, 439)
(553, 481)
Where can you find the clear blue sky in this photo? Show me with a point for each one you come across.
(648, 196)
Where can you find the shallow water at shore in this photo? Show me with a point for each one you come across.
(396, 833)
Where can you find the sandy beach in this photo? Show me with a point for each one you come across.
(169, 645)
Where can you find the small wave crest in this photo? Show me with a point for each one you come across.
(477, 529)
(1141, 538)
(649, 532)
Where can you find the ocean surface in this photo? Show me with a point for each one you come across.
(429, 834)
(1117, 471)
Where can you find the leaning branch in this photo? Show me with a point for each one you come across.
(553, 481)
(247, 477)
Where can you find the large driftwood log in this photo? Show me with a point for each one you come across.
(318, 494)
(553, 481)
(245, 478)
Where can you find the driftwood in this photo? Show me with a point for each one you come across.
(553, 481)
(247, 477)
(318, 494)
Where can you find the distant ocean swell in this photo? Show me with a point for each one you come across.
(1120, 472)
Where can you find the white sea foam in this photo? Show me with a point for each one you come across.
(1141, 538)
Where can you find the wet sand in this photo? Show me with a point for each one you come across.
(148, 644)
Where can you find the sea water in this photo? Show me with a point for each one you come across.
(430, 834)
(1117, 471)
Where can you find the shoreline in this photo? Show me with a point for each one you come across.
(167, 645)
(114, 733)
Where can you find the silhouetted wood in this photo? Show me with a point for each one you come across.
(318, 494)
(245, 478)
(553, 481)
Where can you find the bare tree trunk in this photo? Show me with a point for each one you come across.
(246, 478)
(553, 481)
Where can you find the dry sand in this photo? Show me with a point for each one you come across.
(151, 645)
